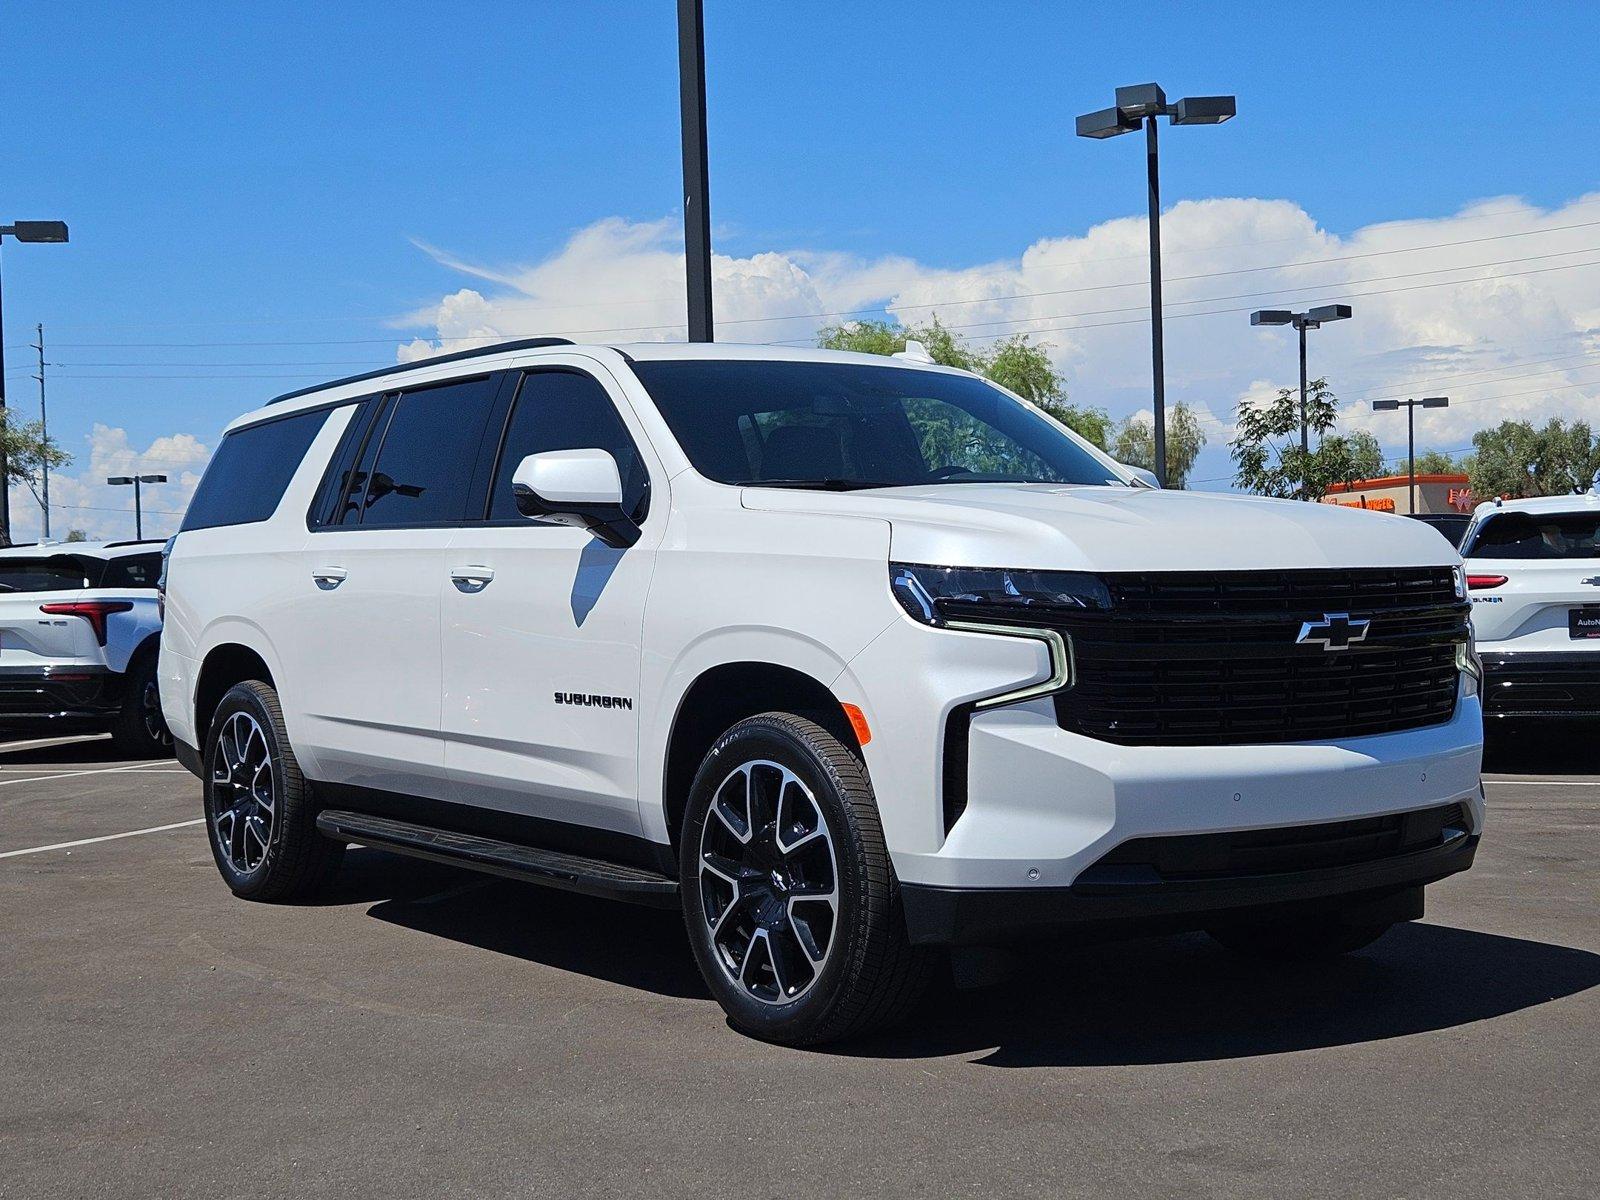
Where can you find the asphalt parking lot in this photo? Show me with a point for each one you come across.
(433, 1033)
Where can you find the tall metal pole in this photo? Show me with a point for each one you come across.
(5, 473)
(1157, 356)
(138, 513)
(44, 436)
(1411, 451)
(1305, 436)
(696, 168)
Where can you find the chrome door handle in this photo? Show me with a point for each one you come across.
(471, 579)
(328, 578)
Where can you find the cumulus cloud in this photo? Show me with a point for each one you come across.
(81, 499)
(1494, 305)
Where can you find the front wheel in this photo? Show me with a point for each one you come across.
(259, 809)
(789, 896)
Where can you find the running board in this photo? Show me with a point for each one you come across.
(571, 872)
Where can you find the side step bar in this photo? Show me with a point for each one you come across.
(572, 872)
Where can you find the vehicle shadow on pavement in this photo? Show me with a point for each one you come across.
(644, 948)
(1569, 749)
(90, 750)
(1183, 999)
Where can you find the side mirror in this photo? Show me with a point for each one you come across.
(1148, 478)
(580, 488)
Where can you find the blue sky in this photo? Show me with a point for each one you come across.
(261, 178)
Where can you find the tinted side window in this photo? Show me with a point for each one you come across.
(135, 571)
(566, 410)
(424, 466)
(250, 470)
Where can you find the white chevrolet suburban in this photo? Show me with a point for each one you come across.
(851, 657)
(79, 630)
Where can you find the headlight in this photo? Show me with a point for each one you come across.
(1470, 666)
(934, 595)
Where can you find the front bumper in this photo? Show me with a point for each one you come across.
(1122, 899)
(58, 697)
(1533, 685)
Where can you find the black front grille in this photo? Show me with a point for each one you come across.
(1212, 659)
(1200, 856)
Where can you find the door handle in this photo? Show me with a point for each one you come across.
(471, 580)
(328, 578)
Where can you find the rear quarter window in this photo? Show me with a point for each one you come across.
(250, 471)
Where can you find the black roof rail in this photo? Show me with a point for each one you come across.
(457, 356)
(134, 542)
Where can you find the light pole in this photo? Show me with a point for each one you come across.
(23, 231)
(44, 436)
(1142, 104)
(1316, 318)
(1411, 407)
(696, 169)
(138, 508)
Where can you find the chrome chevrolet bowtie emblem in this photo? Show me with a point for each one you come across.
(1336, 631)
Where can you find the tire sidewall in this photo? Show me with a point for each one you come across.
(766, 738)
(243, 698)
(132, 735)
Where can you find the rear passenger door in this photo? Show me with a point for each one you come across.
(369, 646)
(542, 626)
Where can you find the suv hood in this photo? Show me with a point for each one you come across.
(1085, 528)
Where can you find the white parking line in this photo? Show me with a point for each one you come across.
(1542, 782)
(73, 740)
(110, 837)
(95, 771)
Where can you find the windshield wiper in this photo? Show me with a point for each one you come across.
(817, 485)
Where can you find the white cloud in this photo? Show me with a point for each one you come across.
(81, 499)
(1495, 305)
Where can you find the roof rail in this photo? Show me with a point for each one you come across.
(457, 356)
(133, 542)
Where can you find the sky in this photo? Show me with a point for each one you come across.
(265, 197)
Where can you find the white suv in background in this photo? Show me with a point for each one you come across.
(849, 657)
(80, 625)
(1533, 567)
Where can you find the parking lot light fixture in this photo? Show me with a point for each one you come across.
(21, 231)
(138, 510)
(1142, 104)
(1314, 318)
(1411, 407)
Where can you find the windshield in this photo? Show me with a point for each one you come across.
(1536, 536)
(843, 425)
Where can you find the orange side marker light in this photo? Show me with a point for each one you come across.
(858, 722)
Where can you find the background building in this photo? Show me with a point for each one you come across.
(1435, 494)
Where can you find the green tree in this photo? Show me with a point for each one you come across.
(1515, 459)
(77, 535)
(1016, 363)
(1437, 462)
(1135, 443)
(28, 452)
(1266, 449)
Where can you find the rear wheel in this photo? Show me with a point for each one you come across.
(139, 730)
(790, 899)
(1298, 938)
(259, 810)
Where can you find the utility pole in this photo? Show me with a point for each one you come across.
(696, 168)
(44, 437)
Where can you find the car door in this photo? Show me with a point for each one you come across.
(369, 656)
(542, 623)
